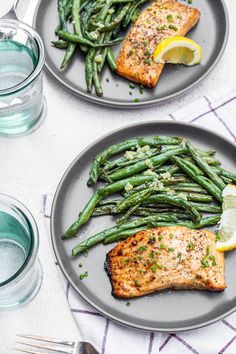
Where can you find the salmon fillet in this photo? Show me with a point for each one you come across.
(164, 18)
(173, 257)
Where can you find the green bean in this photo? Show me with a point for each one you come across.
(122, 235)
(96, 80)
(205, 167)
(131, 12)
(105, 154)
(68, 55)
(101, 193)
(111, 59)
(168, 183)
(61, 11)
(206, 221)
(60, 44)
(75, 14)
(111, 26)
(110, 201)
(89, 69)
(133, 224)
(160, 140)
(208, 208)
(229, 175)
(143, 165)
(194, 197)
(158, 198)
(188, 187)
(203, 181)
(78, 39)
(133, 200)
(103, 210)
(123, 161)
(126, 216)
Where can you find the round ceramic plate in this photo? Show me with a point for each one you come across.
(211, 33)
(164, 311)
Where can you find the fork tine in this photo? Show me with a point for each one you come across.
(27, 351)
(47, 339)
(51, 347)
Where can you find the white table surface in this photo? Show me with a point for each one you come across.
(33, 165)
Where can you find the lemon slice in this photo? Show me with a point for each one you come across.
(227, 232)
(178, 50)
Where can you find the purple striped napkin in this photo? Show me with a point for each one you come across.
(215, 111)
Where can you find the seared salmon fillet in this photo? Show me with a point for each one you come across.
(164, 18)
(173, 257)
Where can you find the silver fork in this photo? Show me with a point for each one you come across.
(53, 345)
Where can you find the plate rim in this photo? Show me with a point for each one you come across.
(142, 104)
(54, 238)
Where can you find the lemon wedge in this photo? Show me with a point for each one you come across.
(226, 238)
(178, 50)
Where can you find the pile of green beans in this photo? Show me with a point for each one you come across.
(156, 181)
(96, 26)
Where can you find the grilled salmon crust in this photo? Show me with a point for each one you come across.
(173, 257)
(163, 19)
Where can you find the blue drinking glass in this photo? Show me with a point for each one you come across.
(22, 57)
(20, 270)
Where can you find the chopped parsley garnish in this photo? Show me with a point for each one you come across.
(136, 100)
(171, 249)
(162, 246)
(107, 79)
(160, 238)
(151, 254)
(161, 28)
(154, 268)
(139, 258)
(131, 52)
(179, 254)
(135, 282)
(208, 250)
(128, 303)
(147, 61)
(141, 90)
(83, 275)
(205, 262)
(190, 246)
(80, 265)
(145, 43)
(142, 248)
(179, 16)
(125, 261)
(169, 18)
(173, 27)
(147, 53)
(131, 85)
(213, 259)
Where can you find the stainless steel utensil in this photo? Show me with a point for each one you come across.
(53, 345)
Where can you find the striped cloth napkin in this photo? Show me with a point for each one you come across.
(215, 111)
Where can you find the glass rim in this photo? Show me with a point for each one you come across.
(41, 58)
(33, 252)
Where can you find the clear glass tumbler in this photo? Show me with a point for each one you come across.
(22, 57)
(20, 270)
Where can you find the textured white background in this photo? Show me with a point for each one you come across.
(34, 164)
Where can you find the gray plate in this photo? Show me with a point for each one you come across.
(211, 33)
(163, 311)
